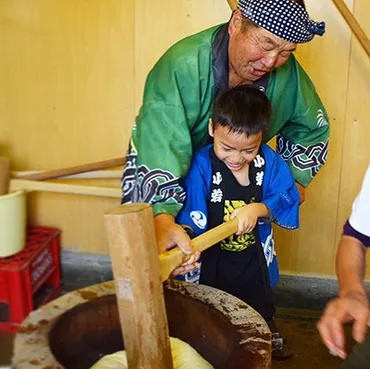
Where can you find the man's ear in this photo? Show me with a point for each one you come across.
(235, 22)
(210, 127)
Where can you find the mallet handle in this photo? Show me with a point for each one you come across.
(173, 258)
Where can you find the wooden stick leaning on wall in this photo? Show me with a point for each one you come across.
(22, 184)
(32, 182)
(353, 24)
(96, 174)
(233, 4)
(57, 173)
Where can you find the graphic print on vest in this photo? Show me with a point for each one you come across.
(234, 242)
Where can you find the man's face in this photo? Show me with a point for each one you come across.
(254, 52)
(236, 150)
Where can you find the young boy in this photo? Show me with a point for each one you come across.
(238, 176)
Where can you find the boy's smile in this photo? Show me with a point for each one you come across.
(236, 150)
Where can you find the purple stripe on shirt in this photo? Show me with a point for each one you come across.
(348, 230)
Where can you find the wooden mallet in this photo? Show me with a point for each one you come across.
(138, 274)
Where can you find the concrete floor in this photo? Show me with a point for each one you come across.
(298, 326)
(6, 345)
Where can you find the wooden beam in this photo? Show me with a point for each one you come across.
(139, 290)
(97, 174)
(57, 173)
(22, 184)
(233, 4)
(353, 24)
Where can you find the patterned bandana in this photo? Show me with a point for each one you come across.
(284, 18)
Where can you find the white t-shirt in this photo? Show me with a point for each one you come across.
(360, 216)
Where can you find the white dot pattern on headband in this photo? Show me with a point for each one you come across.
(284, 18)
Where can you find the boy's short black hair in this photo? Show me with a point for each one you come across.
(244, 109)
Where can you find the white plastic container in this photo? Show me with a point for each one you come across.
(13, 217)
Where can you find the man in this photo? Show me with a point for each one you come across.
(255, 47)
(352, 303)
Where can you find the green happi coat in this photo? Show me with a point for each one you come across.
(173, 120)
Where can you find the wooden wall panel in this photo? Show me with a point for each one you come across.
(356, 143)
(79, 217)
(311, 249)
(66, 77)
(71, 81)
(159, 24)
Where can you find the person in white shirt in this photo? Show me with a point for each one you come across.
(352, 303)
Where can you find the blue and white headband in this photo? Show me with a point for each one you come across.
(284, 18)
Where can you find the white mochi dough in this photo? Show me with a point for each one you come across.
(183, 355)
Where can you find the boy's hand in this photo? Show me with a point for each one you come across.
(248, 216)
(169, 234)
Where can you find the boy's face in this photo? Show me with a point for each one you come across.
(236, 150)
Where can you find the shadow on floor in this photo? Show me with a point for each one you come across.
(299, 327)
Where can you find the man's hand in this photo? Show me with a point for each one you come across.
(248, 216)
(188, 265)
(169, 234)
(353, 306)
(302, 192)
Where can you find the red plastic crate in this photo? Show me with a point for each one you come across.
(30, 278)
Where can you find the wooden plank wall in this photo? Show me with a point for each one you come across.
(326, 60)
(356, 136)
(66, 97)
(71, 81)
